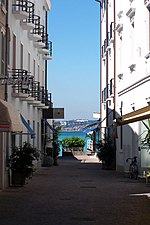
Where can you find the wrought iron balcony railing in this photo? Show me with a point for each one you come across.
(35, 33)
(21, 8)
(28, 23)
(24, 87)
(21, 81)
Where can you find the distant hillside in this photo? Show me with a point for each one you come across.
(78, 124)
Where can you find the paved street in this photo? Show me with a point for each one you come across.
(76, 193)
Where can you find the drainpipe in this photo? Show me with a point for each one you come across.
(44, 121)
(107, 119)
(46, 60)
(100, 71)
(100, 68)
(149, 31)
(6, 53)
(114, 113)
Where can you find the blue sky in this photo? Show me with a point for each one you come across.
(73, 73)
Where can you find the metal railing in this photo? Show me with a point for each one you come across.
(22, 5)
(30, 11)
(22, 82)
(37, 26)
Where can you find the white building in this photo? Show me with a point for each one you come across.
(125, 78)
(27, 48)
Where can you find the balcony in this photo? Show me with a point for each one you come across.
(26, 89)
(38, 96)
(48, 99)
(42, 42)
(21, 83)
(46, 49)
(39, 44)
(35, 33)
(28, 24)
(48, 55)
(20, 9)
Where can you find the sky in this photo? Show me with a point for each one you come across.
(73, 73)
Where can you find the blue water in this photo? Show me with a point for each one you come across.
(69, 134)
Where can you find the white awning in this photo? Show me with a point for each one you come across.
(10, 120)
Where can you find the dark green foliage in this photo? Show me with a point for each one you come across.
(106, 154)
(73, 142)
(21, 159)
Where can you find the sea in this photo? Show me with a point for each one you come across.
(69, 134)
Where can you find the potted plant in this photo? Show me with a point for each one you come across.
(21, 163)
(106, 154)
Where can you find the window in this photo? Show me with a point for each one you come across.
(2, 54)
(34, 131)
(111, 86)
(111, 30)
(38, 73)
(104, 95)
(34, 68)
(38, 135)
(14, 52)
(29, 62)
(21, 55)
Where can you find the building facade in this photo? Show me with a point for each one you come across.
(125, 79)
(24, 74)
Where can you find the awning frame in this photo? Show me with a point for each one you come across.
(135, 116)
(31, 131)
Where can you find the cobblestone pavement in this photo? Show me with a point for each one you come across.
(75, 193)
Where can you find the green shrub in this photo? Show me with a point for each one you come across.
(73, 142)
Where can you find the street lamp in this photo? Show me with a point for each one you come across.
(100, 2)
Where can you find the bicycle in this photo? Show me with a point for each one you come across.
(133, 168)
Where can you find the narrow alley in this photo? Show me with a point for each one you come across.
(75, 193)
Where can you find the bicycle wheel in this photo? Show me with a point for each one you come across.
(135, 171)
(130, 172)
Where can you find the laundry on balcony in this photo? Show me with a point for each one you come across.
(9, 118)
(26, 124)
